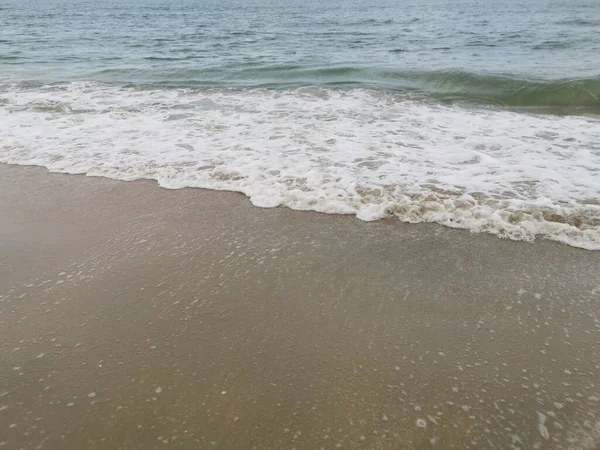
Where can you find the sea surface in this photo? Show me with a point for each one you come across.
(482, 115)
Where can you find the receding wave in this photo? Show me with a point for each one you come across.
(366, 152)
(442, 85)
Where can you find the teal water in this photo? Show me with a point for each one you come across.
(517, 53)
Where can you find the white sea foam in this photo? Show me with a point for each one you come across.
(368, 153)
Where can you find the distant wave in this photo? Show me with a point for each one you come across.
(581, 22)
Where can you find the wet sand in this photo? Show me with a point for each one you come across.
(135, 317)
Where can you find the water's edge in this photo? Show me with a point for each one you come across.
(371, 153)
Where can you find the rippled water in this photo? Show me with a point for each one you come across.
(476, 114)
(407, 44)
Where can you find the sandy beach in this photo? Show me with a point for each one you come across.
(136, 317)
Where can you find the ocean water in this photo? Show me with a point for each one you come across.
(482, 115)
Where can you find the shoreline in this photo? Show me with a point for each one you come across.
(560, 227)
(491, 170)
(164, 315)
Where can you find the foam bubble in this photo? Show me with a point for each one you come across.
(542, 427)
(361, 152)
